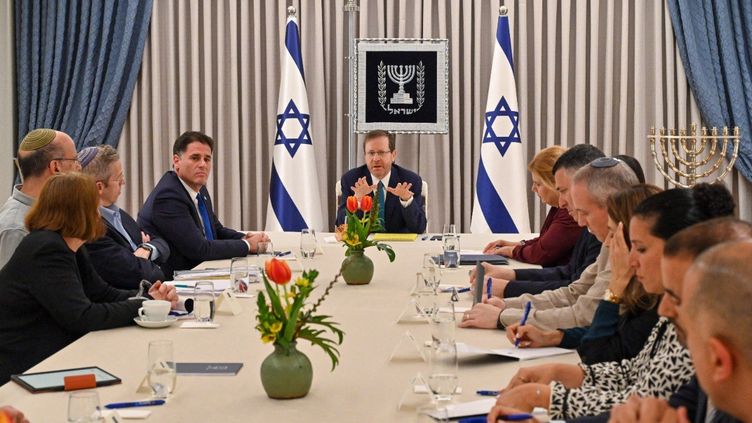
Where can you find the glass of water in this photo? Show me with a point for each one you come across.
(442, 379)
(265, 249)
(161, 368)
(431, 271)
(443, 323)
(307, 245)
(239, 274)
(449, 229)
(425, 297)
(203, 301)
(83, 407)
(451, 251)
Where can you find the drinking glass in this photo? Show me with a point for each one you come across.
(239, 274)
(83, 407)
(161, 368)
(451, 251)
(307, 243)
(203, 301)
(431, 271)
(442, 379)
(449, 229)
(443, 323)
(265, 249)
(425, 297)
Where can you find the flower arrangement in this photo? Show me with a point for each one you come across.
(285, 317)
(354, 233)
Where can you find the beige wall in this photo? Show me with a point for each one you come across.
(7, 98)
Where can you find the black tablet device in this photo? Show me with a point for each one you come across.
(54, 380)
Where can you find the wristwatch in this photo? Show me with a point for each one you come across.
(611, 297)
(148, 248)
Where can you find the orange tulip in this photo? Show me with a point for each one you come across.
(366, 203)
(352, 204)
(278, 271)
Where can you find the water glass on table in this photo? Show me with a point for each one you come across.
(239, 275)
(204, 301)
(431, 271)
(425, 297)
(161, 368)
(307, 245)
(442, 378)
(451, 251)
(449, 229)
(84, 407)
(443, 323)
(265, 249)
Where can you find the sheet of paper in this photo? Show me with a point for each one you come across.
(518, 353)
(199, 325)
(186, 286)
(466, 409)
(457, 309)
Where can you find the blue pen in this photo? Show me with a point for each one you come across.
(487, 393)
(528, 306)
(283, 253)
(489, 282)
(115, 405)
(182, 286)
(461, 290)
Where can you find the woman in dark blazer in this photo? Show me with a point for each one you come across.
(50, 294)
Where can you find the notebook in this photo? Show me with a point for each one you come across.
(516, 353)
(208, 369)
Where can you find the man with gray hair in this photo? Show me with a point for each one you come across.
(125, 255)
(573, 305)
(41, 154)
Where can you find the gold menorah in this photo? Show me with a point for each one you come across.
(693, 156)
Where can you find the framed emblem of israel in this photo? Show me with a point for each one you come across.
(402, 85)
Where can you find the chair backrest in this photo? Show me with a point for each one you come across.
(337, 194)
(423, 195)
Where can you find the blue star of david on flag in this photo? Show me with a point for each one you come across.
(292, 143)
(502, 111)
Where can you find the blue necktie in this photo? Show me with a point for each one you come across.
(380, 199)
(205, 217)
(118, 223)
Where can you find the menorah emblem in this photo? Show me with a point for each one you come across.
(401, 75)
(691, 156)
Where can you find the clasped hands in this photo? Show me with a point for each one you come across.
(402, 190)
(253, 238)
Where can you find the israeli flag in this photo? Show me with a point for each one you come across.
(294, 198)
(501, 188)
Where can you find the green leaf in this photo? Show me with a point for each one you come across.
(387, 249)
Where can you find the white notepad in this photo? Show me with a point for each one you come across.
(518, 353)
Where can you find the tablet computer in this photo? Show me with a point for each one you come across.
(54, 380)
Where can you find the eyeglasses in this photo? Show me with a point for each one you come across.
(64, 159)
(604, 162)
(373, 154)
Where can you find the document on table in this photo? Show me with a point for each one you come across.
(466, 409)
(384, 236)
(186, 286)
(518, 353)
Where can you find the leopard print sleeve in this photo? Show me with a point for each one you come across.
(659, 370)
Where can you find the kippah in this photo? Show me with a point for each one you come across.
(37, 139)
(86, 155)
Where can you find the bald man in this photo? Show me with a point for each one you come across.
(41, 154)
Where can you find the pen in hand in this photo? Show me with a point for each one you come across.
(528, 306)
(489, 282)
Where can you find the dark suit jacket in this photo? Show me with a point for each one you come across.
(535, 281)
(50, 296)
(113, 259)
(170, 213)
(397, 218)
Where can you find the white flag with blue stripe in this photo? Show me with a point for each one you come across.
(501, 190)
(294, 198)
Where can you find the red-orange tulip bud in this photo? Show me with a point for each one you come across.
(366, 203)
(278, 271)
(352, 204)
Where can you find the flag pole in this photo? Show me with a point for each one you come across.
(351, 8)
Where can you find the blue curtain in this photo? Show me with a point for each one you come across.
(77, 65)
(715, 45)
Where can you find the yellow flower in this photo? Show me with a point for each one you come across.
(290, 295)
(302, 282)
(276, 327)
(268, 338)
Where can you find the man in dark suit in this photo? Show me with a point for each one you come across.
(180, 210)
(396, 189)
(125, 255)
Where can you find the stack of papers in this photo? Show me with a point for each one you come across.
(518, 353)
(467, 409)
(187, 286)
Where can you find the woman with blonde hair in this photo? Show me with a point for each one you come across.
(50, 294)
(559, 232)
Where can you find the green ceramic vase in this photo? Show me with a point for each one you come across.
(286, 374)
(357, 268)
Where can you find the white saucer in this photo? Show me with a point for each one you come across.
(152, 325)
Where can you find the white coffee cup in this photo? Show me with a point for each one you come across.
(154, 310)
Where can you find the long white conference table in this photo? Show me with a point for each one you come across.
(367, 386)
